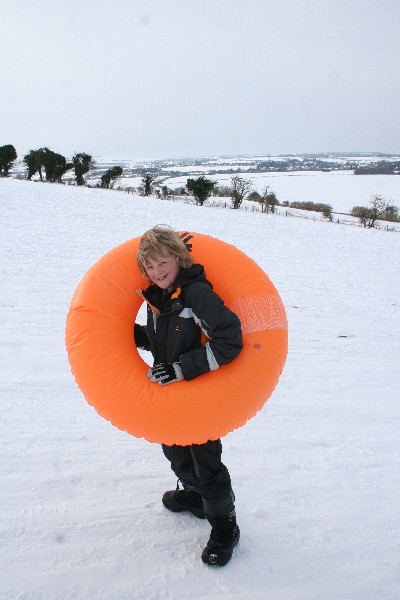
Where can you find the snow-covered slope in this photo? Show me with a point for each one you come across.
(316, 472)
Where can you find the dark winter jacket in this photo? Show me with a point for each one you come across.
(177, 319)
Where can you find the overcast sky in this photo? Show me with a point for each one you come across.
(172, 78)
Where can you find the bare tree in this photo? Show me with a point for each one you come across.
(268, 200)
(368, 215)
(240, 187)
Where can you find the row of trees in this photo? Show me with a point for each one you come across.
(52, 166)
(380, 168)
(267, 199)
(202, 188)
(239, 190)
(49, 165)
(325, 209)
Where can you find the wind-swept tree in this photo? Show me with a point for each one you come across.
(82, 164)
(110, 177)
(201, 188)
(148, 180)
(34, 160)
(55, 165)
(30, 161)
(8, 155)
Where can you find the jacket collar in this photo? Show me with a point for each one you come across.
(160, 300)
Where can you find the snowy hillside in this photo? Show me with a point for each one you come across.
(316, 472)
(338, 187)
(335, 185)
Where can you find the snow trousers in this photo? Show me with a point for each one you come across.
(200, 469)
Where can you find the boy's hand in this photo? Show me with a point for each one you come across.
(165, 373)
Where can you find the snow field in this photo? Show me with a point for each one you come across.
(341, 189)
(316, 472)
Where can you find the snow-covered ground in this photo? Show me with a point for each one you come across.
(341, 189)
(316, 472)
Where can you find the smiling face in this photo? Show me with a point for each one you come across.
(162, 271)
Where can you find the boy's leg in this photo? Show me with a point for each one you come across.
(181, 461)
(205, 474)
(187, 499)
(199, 467)
(212, 479)
(219, 503)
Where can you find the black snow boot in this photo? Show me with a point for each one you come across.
(184, 500)
(224, 537)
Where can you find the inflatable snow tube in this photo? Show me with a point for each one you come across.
(112, 376)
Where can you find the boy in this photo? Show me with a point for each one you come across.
(180, 306)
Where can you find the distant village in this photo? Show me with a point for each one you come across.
(361, 164)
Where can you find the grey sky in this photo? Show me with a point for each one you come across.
(161, 78)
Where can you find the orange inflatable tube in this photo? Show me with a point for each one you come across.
(112, 375)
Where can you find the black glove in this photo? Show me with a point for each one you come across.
(165, 373)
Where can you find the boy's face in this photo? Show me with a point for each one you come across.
(162, 271)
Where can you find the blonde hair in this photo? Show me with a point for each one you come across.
(162, 240)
